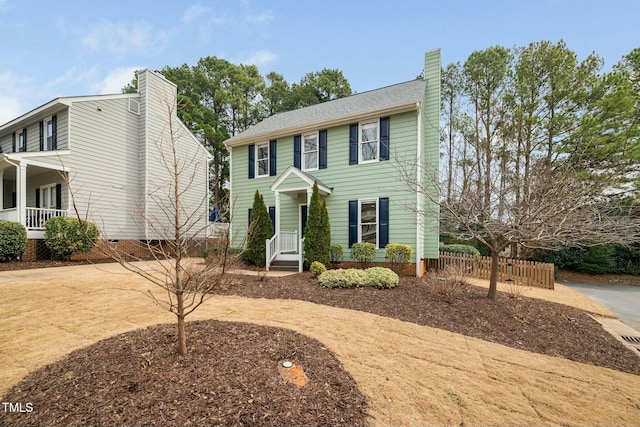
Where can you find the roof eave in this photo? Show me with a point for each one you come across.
(293, 130)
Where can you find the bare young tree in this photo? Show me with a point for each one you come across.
(175, 218)
(561, 209)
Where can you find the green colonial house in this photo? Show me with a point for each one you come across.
(355, 149)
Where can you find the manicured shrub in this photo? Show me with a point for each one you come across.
(13, 240)
(460, 249)
(363, 252)
(317, 268)
(260, 230)
(375, 277)
(65, 236)
(317, 232)
(336, 254)
(398, 253)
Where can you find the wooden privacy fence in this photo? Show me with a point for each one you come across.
(527, 273)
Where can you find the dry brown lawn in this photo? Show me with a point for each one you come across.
(411, 374)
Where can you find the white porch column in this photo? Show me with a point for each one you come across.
(21, 192)
(309, 191)
(277, 193)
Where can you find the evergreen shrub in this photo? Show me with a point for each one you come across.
(374, 277)
(398, 253)
(65, 236)
(460, 249)
(363, 252)
(13, 240)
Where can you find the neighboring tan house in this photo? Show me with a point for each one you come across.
(354, 148)
(109, 152)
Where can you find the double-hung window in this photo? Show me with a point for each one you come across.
(310, 152)
(368, 219)
(48, 134)
(22, 140)
(48, 197)
(369, 142)
(262, 159)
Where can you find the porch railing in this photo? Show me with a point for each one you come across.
(285, 242)
(272, 250)
(36, 217)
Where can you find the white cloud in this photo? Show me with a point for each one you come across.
(263, 18)
(117, 79)
(194, 12)
(118, 38)
(260, 58)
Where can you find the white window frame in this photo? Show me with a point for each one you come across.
(47, 138)
(258, 159)
(21, 138)
(377, 219)
(306, 167)
(48, 192)
(361, 143)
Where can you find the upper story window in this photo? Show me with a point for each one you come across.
(262, 159)
(48, 133)
(21, 144)
(310, 152)
(369, 142)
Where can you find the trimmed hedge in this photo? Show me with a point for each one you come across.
(363, 252)
(317, 268)
(374, 277)
(398, 253)
(65, 236)
(460, 249)
(13, 240)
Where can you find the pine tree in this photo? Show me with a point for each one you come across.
(317, 233)
(260, 230)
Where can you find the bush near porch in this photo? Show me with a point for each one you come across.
(13, 240)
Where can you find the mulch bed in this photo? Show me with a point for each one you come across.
(232, 375)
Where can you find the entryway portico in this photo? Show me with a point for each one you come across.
(292, 191)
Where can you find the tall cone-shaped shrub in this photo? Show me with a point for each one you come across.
(260, 230)
(317, 233)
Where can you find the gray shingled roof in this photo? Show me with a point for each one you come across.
(378, 100)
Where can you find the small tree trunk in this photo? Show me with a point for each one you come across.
(493, 278)
(182, 335)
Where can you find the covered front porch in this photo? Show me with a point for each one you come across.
(31, 192)
(292, 191)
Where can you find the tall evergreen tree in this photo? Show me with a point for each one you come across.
(260, 229)
(317, 234)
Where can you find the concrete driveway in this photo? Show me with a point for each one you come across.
(411, 374)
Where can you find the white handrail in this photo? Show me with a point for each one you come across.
(301, 256)
(272, 250)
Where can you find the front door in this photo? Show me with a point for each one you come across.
(303, 219)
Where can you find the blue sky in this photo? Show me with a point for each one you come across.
(83, 47)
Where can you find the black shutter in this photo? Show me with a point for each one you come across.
(384, 138)
(383, 222)
(322, 149)
(54, 131)
(353, 222)
(24, 139)
(353, 144)
(58, 196)
(13, 140)
(37, 197)
(297, 151)
(252, 161)
(272, 157)
(272, 215)
(41, 135)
